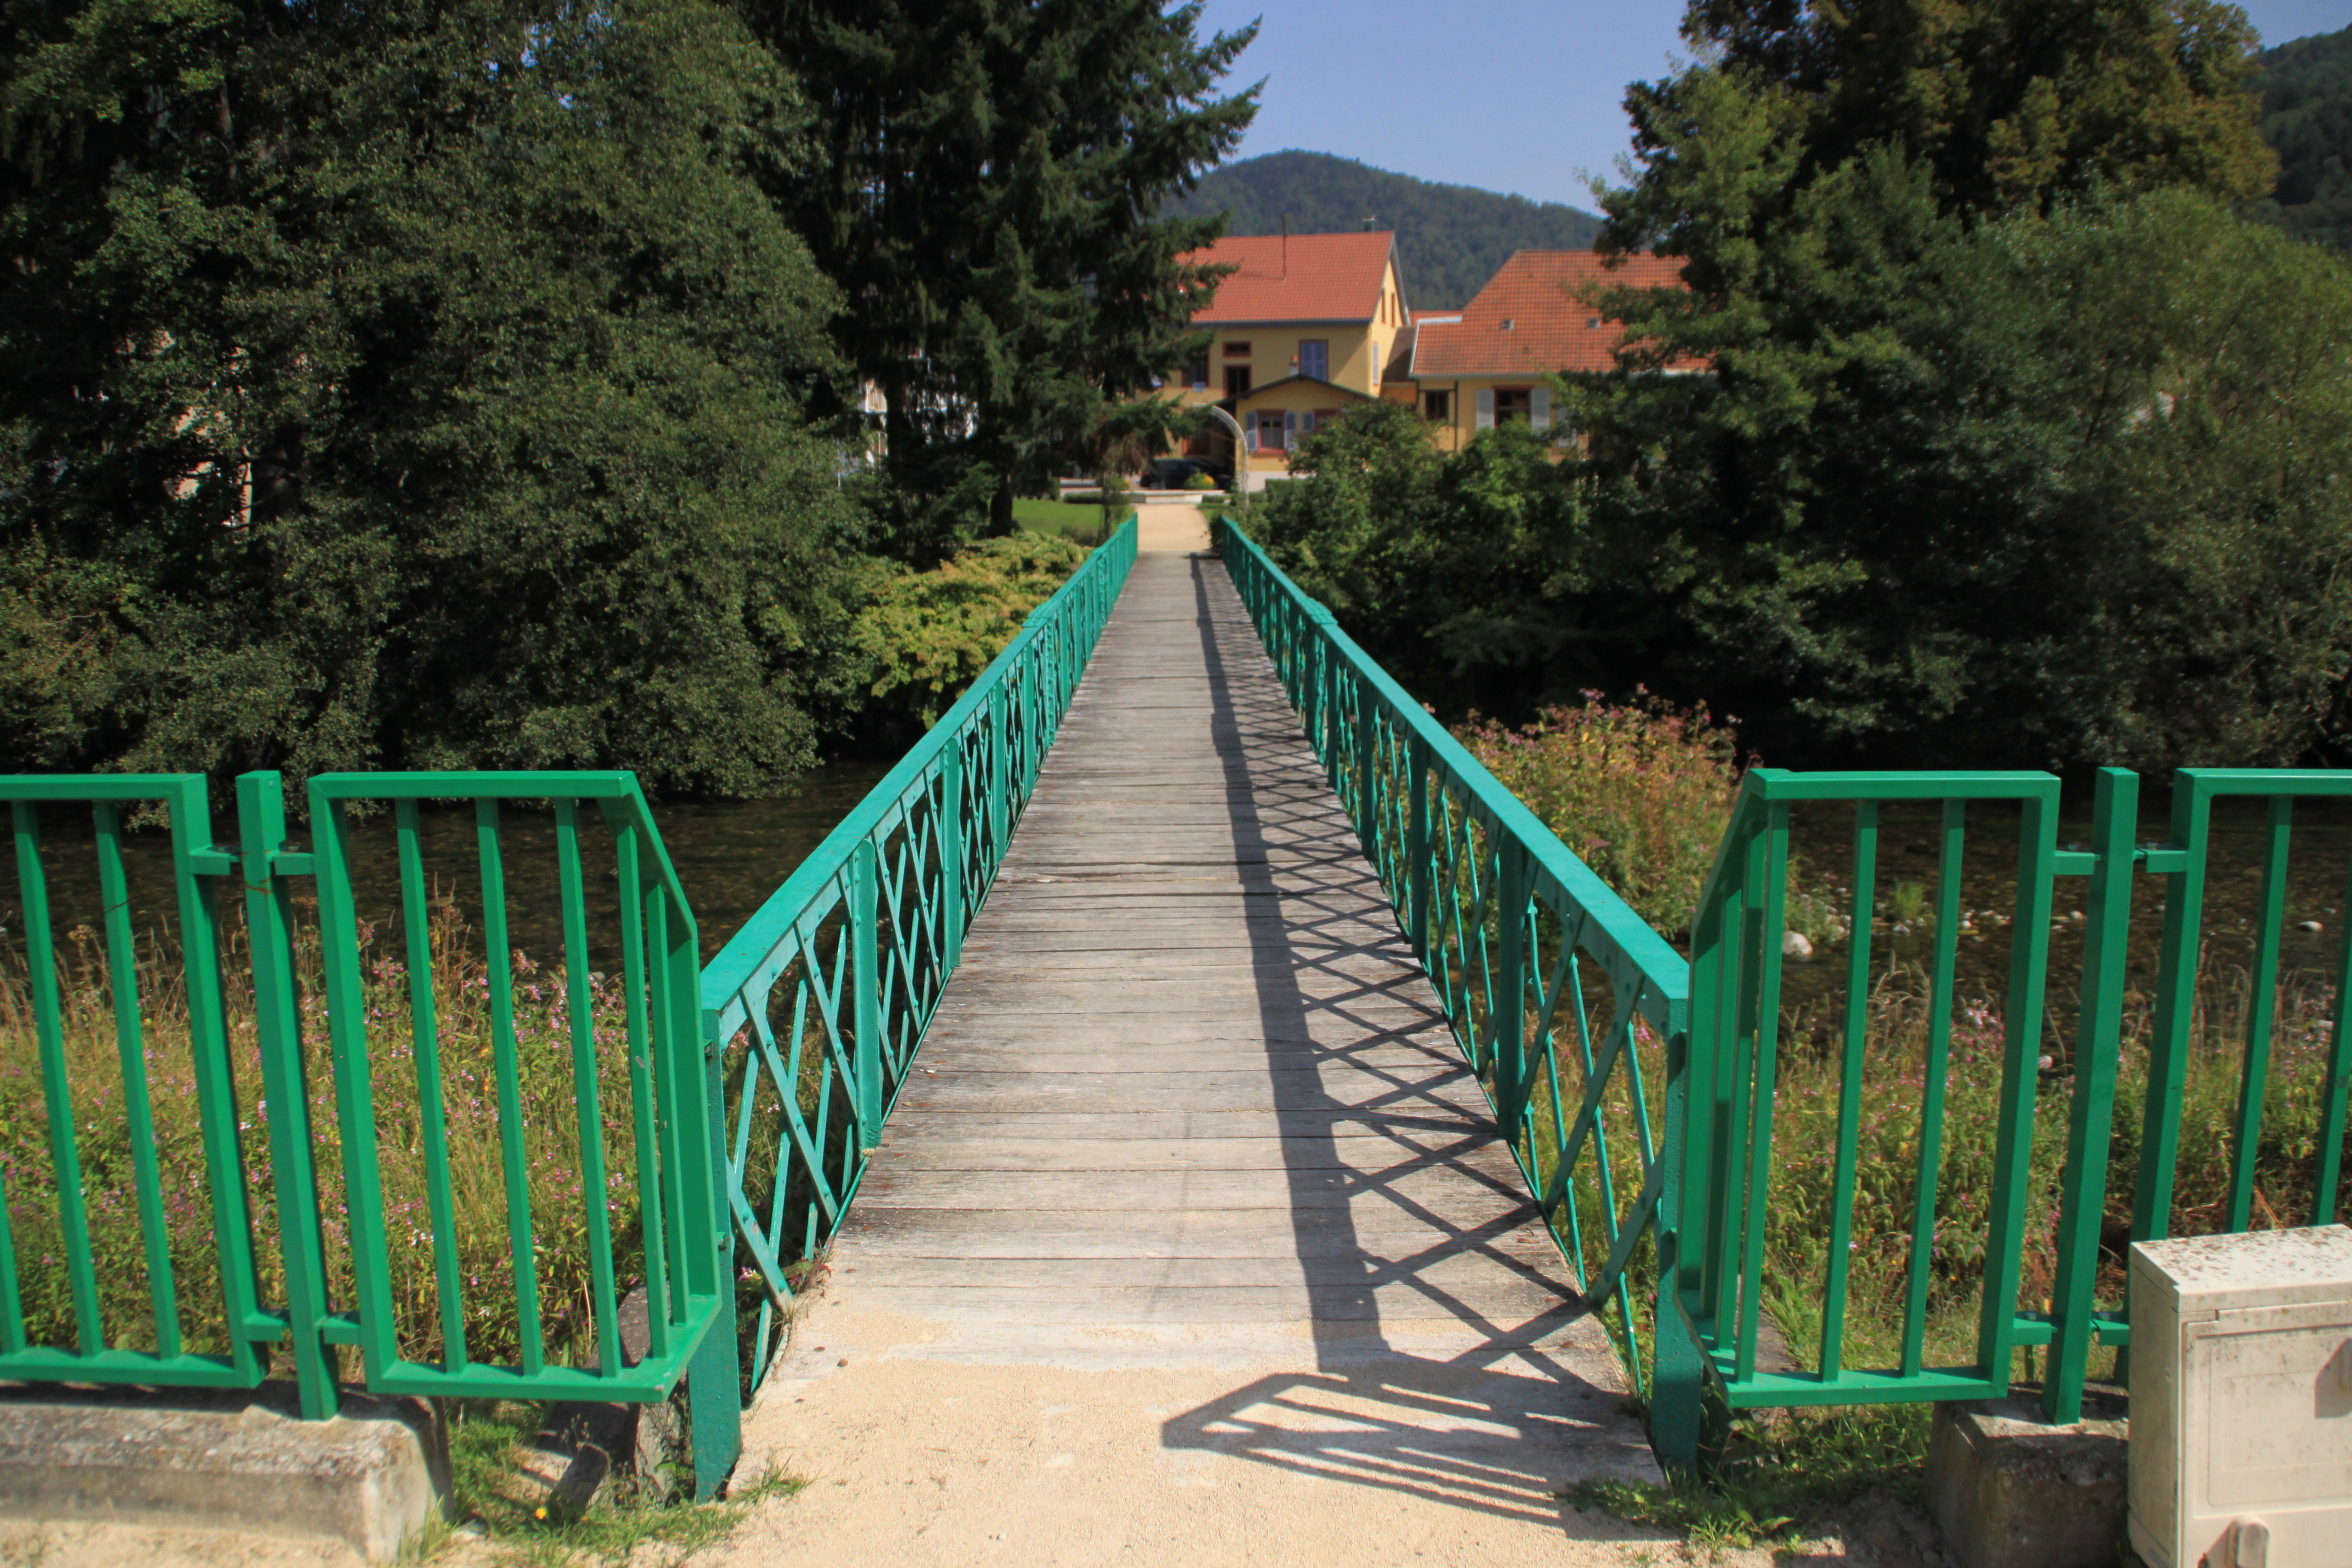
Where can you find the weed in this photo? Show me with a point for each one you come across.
(523, 1530)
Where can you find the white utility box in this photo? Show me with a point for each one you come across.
(2241, 1400)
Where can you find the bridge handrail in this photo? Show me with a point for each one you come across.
(1496, 907)
(813, 1011)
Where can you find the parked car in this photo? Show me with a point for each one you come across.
(1177, 473)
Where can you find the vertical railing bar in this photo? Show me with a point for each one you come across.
(56, 1090)
(122, 972)
(2090, 1122)
(1937, 1071)
(2020, 1071)
(2261, 1010)
(1776, 832)
(504, 1050)
(652, 1175)
(2176, 996)
(1852, 1064)
(347, 1036)
(285, 1078)
(587, 1093)
(2334, 1087)
(425, 1041)
(672, 1080)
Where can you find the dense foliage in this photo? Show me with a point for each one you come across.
(1640, 790)
(1979, 467)
(1452, 237)
(448, 383)
(415, 383)
(2306, 91)
(987, 192)
(927, 635)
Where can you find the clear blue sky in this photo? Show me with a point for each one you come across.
(1510, 95)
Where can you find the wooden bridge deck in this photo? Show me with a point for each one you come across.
(1189, 1106)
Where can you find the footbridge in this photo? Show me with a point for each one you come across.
(1188, 1104)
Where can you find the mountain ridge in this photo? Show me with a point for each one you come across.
(1451, 238)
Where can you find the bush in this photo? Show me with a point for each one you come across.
(1197, 480)
(928, 635)
(1641, 791)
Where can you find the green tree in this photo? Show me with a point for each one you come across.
(2008, 102)
(414, 383)
(1470, 573)
(987, 193)
(2306, 88)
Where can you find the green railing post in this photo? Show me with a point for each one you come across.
(2098, 1042)
(1507, 1004)
(269, 922)
(1417, 848)
(951, 852)
(865, 974)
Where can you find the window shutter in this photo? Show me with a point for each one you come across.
(1486, 408)
(1539, 408)
(1306, 423)
(1251, 430)
(1290, 429)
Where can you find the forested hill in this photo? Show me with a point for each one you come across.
(1452, 237)
(2307, 115)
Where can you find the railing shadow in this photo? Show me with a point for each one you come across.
(1437, 1372)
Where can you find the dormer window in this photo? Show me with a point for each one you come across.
(1509, 323)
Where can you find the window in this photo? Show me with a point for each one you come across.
(1196, 374)
(1237, 380)
(1376, 367)
(1511, 403)
(1320, 417)
(1315, 358)
(1438, 406)
(1237, 351)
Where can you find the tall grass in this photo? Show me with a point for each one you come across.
(468, 1089)
(1639, 790)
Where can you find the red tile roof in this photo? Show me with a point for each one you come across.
(1528, 321)
(1323, 277)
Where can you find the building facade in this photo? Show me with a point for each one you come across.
(1305, 325)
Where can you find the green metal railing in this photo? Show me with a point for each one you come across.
(1719, 1279)
(819, 1003)
(1659, 1080)
(1567, 1005)
(693, 1108)
(679, 1259)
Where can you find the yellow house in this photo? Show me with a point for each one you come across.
(1306, 325)
(1492, 362)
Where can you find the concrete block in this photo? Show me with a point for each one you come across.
(373, 1477)
(2011, 1492)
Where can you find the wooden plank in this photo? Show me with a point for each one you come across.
(879, 1229)
(1446, 1193)
(1454, 1271)
(1504, 1305)
(1360, 1151)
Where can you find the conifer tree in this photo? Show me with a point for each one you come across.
(988, 193)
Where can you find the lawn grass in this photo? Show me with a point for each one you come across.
(1081, 521)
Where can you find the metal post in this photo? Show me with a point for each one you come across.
(269, 920)
(865, 965)
(951, 853)
(2083, 1187)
